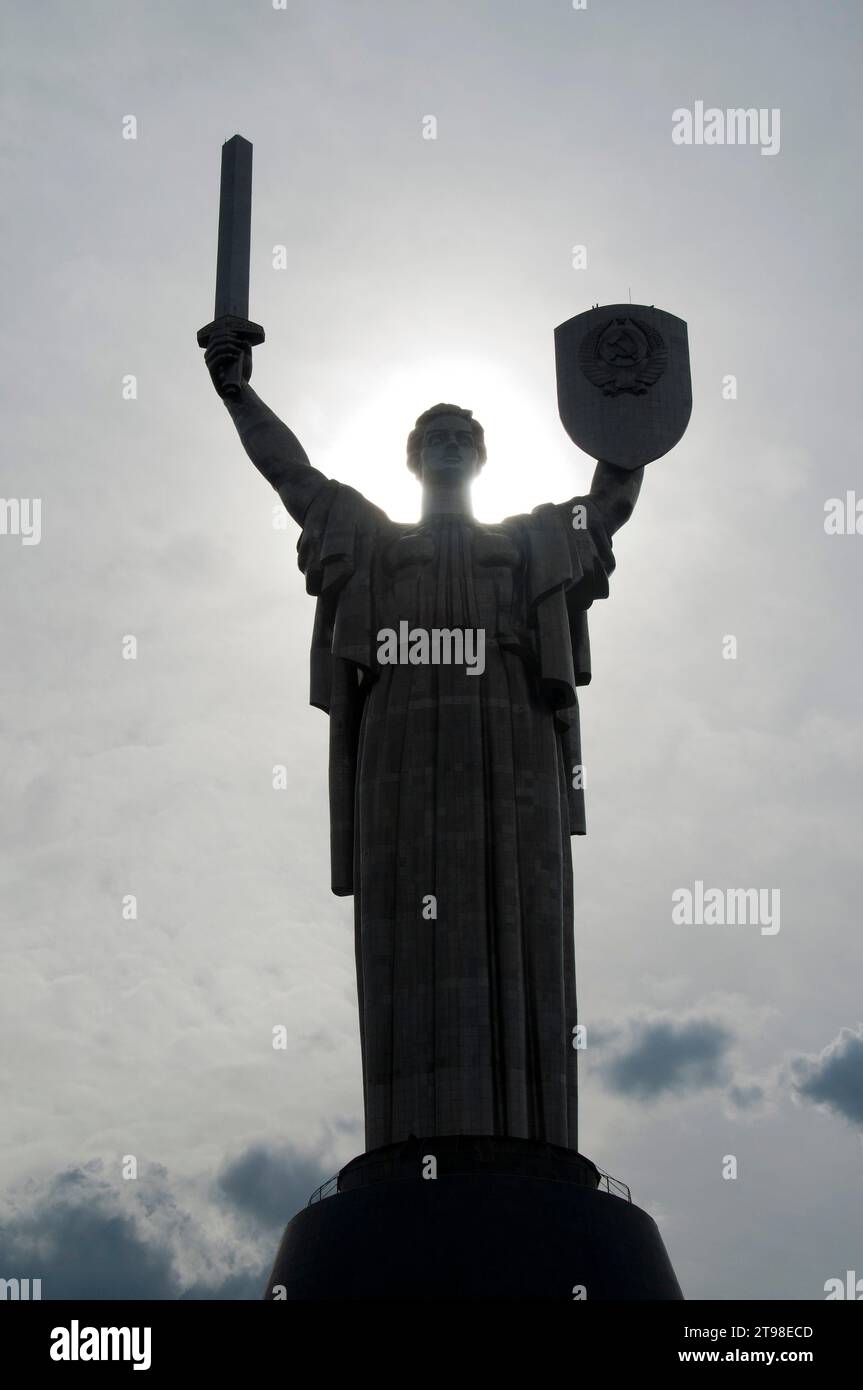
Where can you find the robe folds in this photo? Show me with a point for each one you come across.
(452, 803)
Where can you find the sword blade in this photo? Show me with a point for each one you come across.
(235, 226)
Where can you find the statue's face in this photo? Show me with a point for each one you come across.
(449, 448)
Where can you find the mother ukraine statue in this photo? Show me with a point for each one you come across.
(454, 788)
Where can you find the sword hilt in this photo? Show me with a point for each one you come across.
(249, 333)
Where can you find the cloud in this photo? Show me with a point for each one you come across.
(744, 1097)
(271, 1184)
(88, 1237)
(84, 1251)
(663, 1057)
(835, 1077)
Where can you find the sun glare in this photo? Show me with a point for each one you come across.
(530, 459)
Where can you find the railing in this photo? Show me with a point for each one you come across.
(613, 1186)
(607, 1183)
(326, 1189)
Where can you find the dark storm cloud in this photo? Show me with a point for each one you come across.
(74, 1236)
(662, 1056)
(80, 1248)
(271, 1185)
(835, 1079)
(233, 1288)
(84, 1251)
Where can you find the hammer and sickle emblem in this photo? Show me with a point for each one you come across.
(623, 354)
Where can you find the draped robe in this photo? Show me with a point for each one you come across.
(452, 801)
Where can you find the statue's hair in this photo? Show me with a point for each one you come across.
(415, 438)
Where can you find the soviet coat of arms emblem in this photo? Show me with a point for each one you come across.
(623, 384)
(623, 355)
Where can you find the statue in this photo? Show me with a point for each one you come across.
(448, 655)
(451, 791)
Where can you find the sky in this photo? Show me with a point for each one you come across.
(415, 270)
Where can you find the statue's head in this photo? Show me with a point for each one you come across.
(446, 442)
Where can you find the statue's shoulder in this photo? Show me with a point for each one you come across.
(577, 513)
(351, 506)
(544, 515)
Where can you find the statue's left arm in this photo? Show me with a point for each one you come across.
(569, 559)
(614, 492)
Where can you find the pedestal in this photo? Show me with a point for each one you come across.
(503, 1218)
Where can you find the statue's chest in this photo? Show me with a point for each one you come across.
(452, 545)
(452, 571)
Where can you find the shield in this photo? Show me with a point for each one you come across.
(623, 386)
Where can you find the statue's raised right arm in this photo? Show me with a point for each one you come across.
(273, 448)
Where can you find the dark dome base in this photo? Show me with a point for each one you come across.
(389, 1233)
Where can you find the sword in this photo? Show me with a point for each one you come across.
(232, 259)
